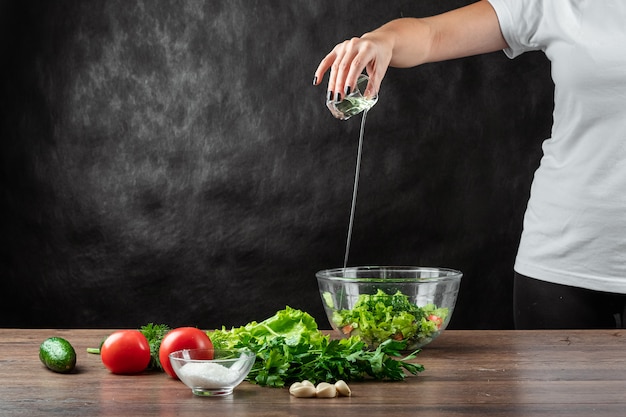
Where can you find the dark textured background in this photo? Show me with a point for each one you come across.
(169, 161)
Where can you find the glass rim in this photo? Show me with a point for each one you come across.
(339, 274)
(236, 354)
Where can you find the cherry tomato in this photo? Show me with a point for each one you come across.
(179, 339)
(125, 352)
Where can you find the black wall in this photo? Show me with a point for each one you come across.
(169, 161)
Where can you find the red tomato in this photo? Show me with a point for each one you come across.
(179, 339)
(125, 352)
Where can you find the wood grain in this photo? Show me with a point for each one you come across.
(468, 372)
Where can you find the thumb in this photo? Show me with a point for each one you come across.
(376, 76)
(371, 91)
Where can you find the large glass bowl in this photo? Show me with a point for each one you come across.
(377, 303)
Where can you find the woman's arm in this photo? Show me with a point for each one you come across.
(409, 42)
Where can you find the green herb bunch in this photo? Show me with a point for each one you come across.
(289, 347)
(154, 333)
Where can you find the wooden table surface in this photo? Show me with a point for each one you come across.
(468, 372)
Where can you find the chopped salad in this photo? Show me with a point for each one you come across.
(381, 316)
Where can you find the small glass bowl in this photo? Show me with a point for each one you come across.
(212, 372)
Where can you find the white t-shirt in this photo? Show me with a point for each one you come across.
(575, 223)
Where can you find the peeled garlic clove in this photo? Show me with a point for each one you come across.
(326, 390)
(342, 388)
(307, 382)
(300, 390)
(295, 385)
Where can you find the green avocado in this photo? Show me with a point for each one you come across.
(58, 355)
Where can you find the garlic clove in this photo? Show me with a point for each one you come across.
(343, 389)
(326, 390)
(295, 385)
(300, 390)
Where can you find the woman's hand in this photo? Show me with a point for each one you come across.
(347, 61)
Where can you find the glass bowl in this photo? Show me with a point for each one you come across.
(212, 372)
(377, 303)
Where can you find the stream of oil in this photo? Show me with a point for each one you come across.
(354, 191)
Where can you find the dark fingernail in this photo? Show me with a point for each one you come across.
(315, 81)
(338, 97)
(348, 90)
(329, 96)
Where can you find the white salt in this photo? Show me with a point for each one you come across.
(207, 375)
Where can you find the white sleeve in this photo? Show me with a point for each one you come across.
(519, 22)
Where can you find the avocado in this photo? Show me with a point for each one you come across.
(58, 355)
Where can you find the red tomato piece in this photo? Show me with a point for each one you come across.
(179, 339)
(347, 329)
(436, 319)
(125, 352)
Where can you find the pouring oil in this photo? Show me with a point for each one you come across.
(353, 104)
(355, 189)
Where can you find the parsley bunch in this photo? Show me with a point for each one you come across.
(154, 333)
(289, 347)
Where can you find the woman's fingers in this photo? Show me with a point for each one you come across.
(344, 69)
(323, 66)
(347, 61)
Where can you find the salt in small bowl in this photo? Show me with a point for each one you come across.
(212, 372)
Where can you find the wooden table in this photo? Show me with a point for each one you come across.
(486, 373)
